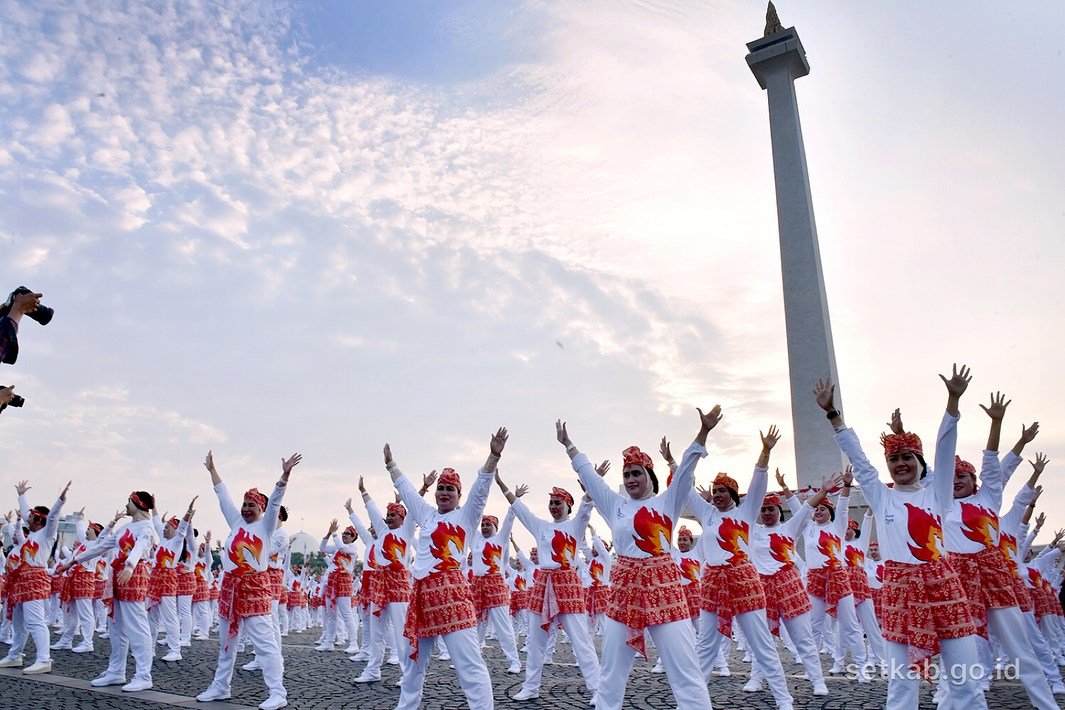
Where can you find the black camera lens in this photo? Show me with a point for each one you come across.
(17, 401)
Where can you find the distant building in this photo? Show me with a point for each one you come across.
(304, 543)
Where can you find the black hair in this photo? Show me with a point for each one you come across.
(282, 514)
(653, 477)
(41, 510)
(195, 532)
(733, 495)
(831, 510)
(147, 498)
(857, 533)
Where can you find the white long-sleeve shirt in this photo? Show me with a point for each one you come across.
(972, 523)
(555, 539)
(490, 554)
(131, 543)
(773, 549)
(727, 534)
(339, 555)
(824, 543)
(246, 550)
(36, 547)
(392, 550)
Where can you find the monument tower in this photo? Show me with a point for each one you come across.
(777, 60)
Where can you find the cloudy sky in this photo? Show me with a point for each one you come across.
(273, 226)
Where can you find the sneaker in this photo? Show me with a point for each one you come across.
(252, 665)
(820, 689)
(62, 646)
(722, 671)
(38, 668)
(323, 647)
(82, 648)
(398, 683)
(445, 656)
(172, 657)
(836, 668)
(361, 656)
(11, 662)
(104, 635)
(747, 657)
(1058, 689)
(105, 679)
(366, 678)
(274, 702)
(161, 642)
(753, 686)
(213, 693)
(351, 649)
(524, 694)
(514, 668)
(658, 667)
(393, 660)
(135, 686)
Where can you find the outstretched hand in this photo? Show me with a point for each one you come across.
(711, 419)
(847, 477)
(896, 422)
(209, 463)
(770, 439)
(428, 480)
(603, 468)
(388, 456)
(997, 410)
(333, 527)
(290, 463)
(499, 440)
(22, 486)
(63, 493)
(663, 448)
(1040, 462)
(825, 393)
(362, 487)
(521, 490)
(562, 434)
(958, 382)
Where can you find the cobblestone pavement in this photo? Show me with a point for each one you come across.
(321, 681)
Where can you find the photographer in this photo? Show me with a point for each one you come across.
(21, 302)
(8, 397)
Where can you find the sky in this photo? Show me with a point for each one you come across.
(270, 227)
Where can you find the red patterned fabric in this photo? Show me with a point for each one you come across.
(27, 584)
(729, 590)
(368, 590)
(448, 477)
(58, 581)
(1024, 599)
(186, 583)
(1044, 601)
(859, 581)
(277, 581)
(98, 588)
(596, 599)
(923, 604)
(644, 592)
(988, 583)
(296, 599)
(136, 589)
(878, 604)
(440, 604)
(632, 456)
(80, 584)
(723, 479)
(785, 596)
(392, 586)
(518, 601)
(202, 593)
(243, 596)
(695, 599)
(556, 592)
(340, 584)
(163, 583)
(215, 593)
(563, 495)
(829, 584)
(895, 443)
(489, 591)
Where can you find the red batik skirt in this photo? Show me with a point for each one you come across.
(243, 596)
(186, 583)
(489, 591)
(163, 583)
(923, 604)
(728, 590)
(518, 601)
(58, 582)
(440, 604)
(829, 584)
(390, 586)
(987, 581)
(596, 598)
(203, 591)
(556, 592)
(136, 589)
(81, 584)
(340, 584)
(646, 591)
(859, 584)
(1044, 600)
(277, 581)
(785, 596)
(27, 584)
(694, 594)
(368, 589)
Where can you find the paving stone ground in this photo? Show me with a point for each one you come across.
(322, 681)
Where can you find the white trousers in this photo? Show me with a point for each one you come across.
(81, 619)
(959, 657)
(341, 613)
(576, 626)
(1008, 627)
(802, 636)
(759, 640)
(499, 618)
(130, 634)
(282, 618)
(874, 636)
(184, 615)
(201, 618)
(469, 665)
(848, 632)
(260, 631)
(392, 619)
(1042, 649)
(164, 614)
(30, 619)
(675, 643)
(101, 614)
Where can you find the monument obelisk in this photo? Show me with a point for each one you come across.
(777, 60)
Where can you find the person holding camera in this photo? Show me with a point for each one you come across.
(22, 301)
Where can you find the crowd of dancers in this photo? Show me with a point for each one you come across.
(950, 591)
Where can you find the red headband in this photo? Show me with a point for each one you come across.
(723, 479)
(397, 509)
(256, 497)
(448, 477)
(853, 525)
(772, 499)
(96, 527)
(896, 443)
(174, 521)
(632, 456)
(351, 529)
(828, 504)
(139, 502)
(562, 494)
(962, 466)
(490, 519)
(684, 531)
(34, 513)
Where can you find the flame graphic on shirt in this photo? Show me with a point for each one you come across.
(563, 548)
(1007, 545)
(164, 557)
(13, 559)
(854, 556)
(28, 550)
(880, 573)
(979, 524)
(101, 568)
(394, 548)
(245, 547)
(341, 559)
(596, 569)
(926, 533)
(650, 527)
(829, 545)
(442, 538)
(126, 542)
(490, 555)
(201, 570)
(781, 548)
(690, 569)
(729, 534)
(520, 584)
(1036, 579)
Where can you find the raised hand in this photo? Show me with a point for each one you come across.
(22, 486)
(770, 439)
(704, 493)
(521, 490)
(896, 422)
(825, 393)
(125, 575)
(663, 448)
(499, 440)
(428, 480)
(848, 475)
(80, 513)
(591, 529)
(333, 527)
(362, 487)
(207, 538)
(388, 456)
(711, 419)
(1028, 435)
(209, 462)
(562, 434)
(603, 468)
(958, 382)
(997, 410)
(1040, 519)
(290, 463)
(1040, 462)
(63, 493)
(119, 514)
(347, 506)
(831, 481)
(1038, 492)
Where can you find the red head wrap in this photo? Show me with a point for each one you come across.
(828, 504)
(563, 495)
(448, 477)
(397, 509)
(351, 531)
(962, 466)
(490, 519)
(38, 515)
(96, 528)
(174, 521)
(853, 525)
(723, 479)
(632, 456)
(256, 497)
(684, 531)
(895, 443)
(139, 502)
(772, 499)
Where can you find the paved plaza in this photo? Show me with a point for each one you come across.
(322, 681)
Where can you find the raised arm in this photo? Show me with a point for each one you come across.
(684, 475)
(418, 508)
(752, 503)
(482, 485)
(594, 485)
(377, 520)
(52, 525)
(273, 504)
(1015, 457)
(872, 487)
(947, 439)
(23, 507)
(229, 511)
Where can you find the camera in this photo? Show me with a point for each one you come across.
(16, 400)
(42, 314)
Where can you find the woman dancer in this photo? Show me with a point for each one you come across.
(646, 591)
(341, 556)
(921, 612)
(491, 596)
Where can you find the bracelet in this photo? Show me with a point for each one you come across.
(571, 447)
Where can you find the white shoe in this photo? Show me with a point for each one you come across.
(11, 662)
(106, 679)
(1058, 689)
(361, 656)
(161, 642)
(393, 660)
(747, 657)
(836, 668)
(753, 686)
(445, 656)
(820, 689)
(252, 665)
(137, 685)
(274, 702)
(60, 646)
(172, 657)
(82, 648)
(213, 693)
(398, 683)
(524, 694)
(722, 671)
(201, 637)
(351, 649)
(38, 668)
(323, 647)
(104, 635)
(364, 678)
(658, 667)
(514, 668)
